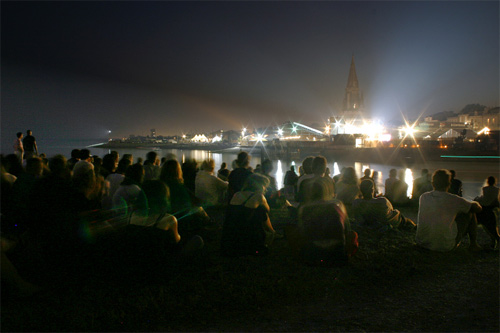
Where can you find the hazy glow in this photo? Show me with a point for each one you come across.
(409, 181)
(279, 175)
(485, 130)
(216, 139)
(336, 170)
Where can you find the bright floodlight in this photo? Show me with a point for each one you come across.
(109, 131)
(280, 131)
(259, 137)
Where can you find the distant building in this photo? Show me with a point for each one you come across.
(153, 133)
(351, 116)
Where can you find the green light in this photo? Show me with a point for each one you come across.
(452, 156)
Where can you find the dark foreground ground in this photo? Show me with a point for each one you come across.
(389, 286)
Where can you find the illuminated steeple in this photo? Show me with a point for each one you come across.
(353, 101)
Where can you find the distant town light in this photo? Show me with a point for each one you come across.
(280, 131)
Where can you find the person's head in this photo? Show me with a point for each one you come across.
(129, 157)
(223, 166)
(401, 175)
(349, 176)
(255, 183)
(139, 160)
(28, 132)
(318, 190)
(267, 166)
(34, 166)
(452, 173)
(307, 165)
(171, 172)
(151, 156)
(75, 154)
(292, 168)
(85, 155)
(109, 162)
(84, 181)
(393, 173)
(367, 172)
(134, 175)
(441, 180)
(116, 155)
(367, 188)
(243, 160)
(157, 195)
(58, 166)
(319, 166)
(19, 135)
(491, 181)
(424, 172)
(208, 165)
(122, 166)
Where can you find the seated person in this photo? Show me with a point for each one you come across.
(323, 234)
(209, 188)
(377, 212)
(247, 228)
(444, 218)
(488, 217)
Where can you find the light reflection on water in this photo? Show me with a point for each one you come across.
(472, 173)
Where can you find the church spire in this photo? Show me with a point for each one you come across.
(352, 99)
(352, 81)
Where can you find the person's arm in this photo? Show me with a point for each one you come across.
(263, 202)
(475, 207)
(36, 148)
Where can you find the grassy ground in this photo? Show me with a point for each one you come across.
(389, 286)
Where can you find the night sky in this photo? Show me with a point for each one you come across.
(79, 69)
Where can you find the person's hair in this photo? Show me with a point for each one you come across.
(318, 190)
(452, 172)
(208, 165)
(19, 134)
(319, 165)
(139, 160)
(424, 172)
(441, 179)
(28, 132)
(84, 154)
(108, 162)
(122, 166)
(491, 180)
(366, 187)
(292, 168)
(171, 171)
(255, 182)
(157, 194)
(243, 159)
(393, 173)
(84, 181)
(58, 165)
(349, 176)
(223, 165)
(34, 166)
(267, 166)
(75, 153)
(307, 165)
(128, 157)
(134, 175)
(151, 156)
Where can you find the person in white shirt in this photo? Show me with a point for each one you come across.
(209, 188)
(445, 218)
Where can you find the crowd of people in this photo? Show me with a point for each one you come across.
(68, 214)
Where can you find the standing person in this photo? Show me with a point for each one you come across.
(445, 218)
(29, 144)
(290, 183)
(18, 146)
(456, 185)
(223, 172)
